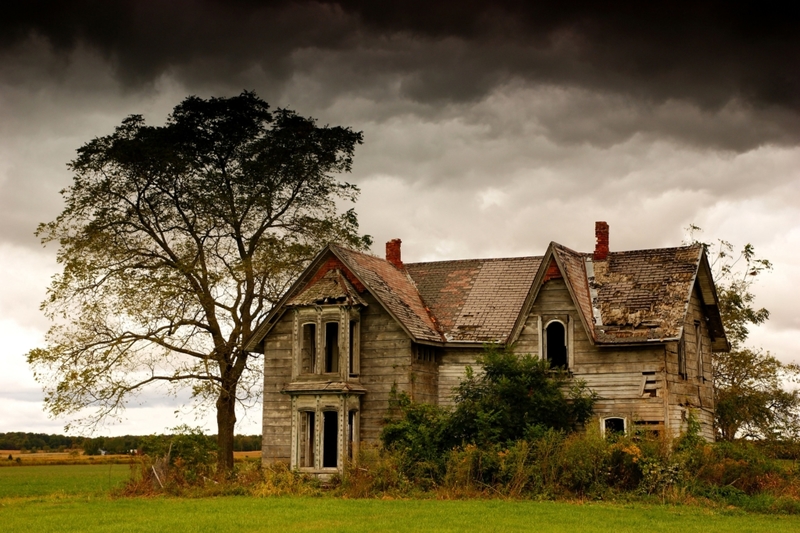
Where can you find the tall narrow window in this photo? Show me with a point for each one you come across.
(698, 349)
(353, 359)
(308, 350)
(330, 439)
(556, 345)
(307, 438)
(331, 347)
(682, 358)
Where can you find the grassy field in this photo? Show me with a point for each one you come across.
(45, 480)
(75, 498)
(245, 514)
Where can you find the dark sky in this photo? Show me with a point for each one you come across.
(491, 128)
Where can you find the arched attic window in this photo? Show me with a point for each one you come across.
(556, 336)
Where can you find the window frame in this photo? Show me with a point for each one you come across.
(566, 323)
(604, 419)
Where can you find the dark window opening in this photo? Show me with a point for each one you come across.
(557, 345)
(308, 342)
(330, 439)
(614, 426)
(307, 441)
(424, 353)
(353, 355)
(331, 347)
(682, 358)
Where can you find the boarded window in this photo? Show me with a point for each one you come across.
(556, 345)
(330, 439)
(307, 438)
(331, 347)
(308, 350)
(354, 342)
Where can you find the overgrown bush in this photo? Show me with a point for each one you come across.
(512, 398)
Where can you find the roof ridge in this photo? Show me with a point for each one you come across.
(483, 259)
(665, 248)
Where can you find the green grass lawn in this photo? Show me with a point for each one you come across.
(75, 498)
(246, 514)
(26, 481)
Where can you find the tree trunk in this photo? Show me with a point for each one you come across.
(226, 422)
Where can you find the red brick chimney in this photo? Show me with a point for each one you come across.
(393, 252)
(601, 238)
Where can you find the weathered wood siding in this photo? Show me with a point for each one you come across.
(453, 370)
(425, 381)
(277, 413)
(695, 391)
(385, 362)
(630, 382)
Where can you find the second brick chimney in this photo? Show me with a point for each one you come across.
(393, 252)
(601, 241)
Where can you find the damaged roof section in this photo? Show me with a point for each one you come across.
(643, 295)
(332, 288)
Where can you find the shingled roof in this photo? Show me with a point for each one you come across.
(476, 300)
(622, 297)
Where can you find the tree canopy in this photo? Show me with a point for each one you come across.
(750, 385)
(175, 240)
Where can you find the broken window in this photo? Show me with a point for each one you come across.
(308, 350)
(307, 438)
(613, 425)
(330, 439)
(331, 347)
(353, 355)
(556, 339)
(649, 384)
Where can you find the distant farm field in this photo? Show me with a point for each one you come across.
(76, 457)
(75, 498)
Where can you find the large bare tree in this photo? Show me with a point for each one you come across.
(174, 241)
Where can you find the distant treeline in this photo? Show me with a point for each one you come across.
(34, 442)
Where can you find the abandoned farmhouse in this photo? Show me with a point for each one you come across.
(637, 326)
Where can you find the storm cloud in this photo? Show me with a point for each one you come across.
(712, 56)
